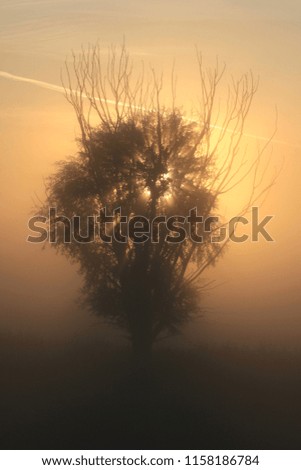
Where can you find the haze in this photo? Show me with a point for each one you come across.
(257, 297)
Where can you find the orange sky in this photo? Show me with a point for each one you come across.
(258, 296)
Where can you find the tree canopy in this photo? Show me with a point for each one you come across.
(147, 160)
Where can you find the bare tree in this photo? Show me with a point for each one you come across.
(149, 160)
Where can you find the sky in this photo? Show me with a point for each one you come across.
(257, 295)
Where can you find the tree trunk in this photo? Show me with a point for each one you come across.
(142, 357)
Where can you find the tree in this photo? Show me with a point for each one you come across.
(147, 160)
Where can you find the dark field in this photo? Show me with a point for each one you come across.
(84, 395)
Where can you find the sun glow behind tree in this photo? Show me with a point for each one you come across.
(150, 160)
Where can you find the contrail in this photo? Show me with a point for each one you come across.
(17, 78)
(60, 89)
(47, 85)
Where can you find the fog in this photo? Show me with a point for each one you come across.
(255, 302)
(257, 295)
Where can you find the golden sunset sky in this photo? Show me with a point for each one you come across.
(258, 297)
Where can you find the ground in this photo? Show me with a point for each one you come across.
(83, 395)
